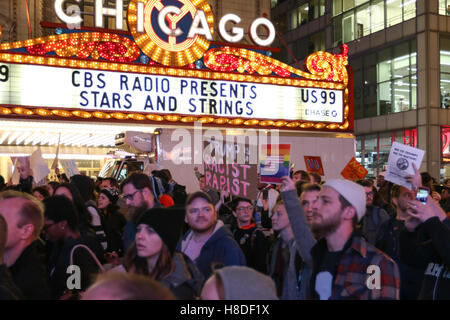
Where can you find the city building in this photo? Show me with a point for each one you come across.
(399, 51)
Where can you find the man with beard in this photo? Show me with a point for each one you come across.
(345, 265)
(138, 195)
(209, 244)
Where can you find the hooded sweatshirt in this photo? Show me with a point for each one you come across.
(219, 250)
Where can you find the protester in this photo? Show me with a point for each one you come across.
(52, 185)
(250, 238)
(85, 186)
(110, 183)
(8, 289)
(341, 257)
(203, 187)
(138, 194)
(374, 217)
(265, 201)
(112, 220)
(41, 193)
(26, 179)
(24, 216)
(61, 228)
(425, 244)
(388, 242)
(126, 286)
(153, 253)
(300, 175)
(208, 243)
(315, 178)
(239, 283)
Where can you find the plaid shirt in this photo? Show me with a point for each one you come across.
(353, 278)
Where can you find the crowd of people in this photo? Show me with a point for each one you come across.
(146, 238)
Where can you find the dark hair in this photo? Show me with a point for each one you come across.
(317, 178)
(135, 264)
(112, 181)
(167, 173)
(236, 201)
(303, 173)
(365, 183)
(84, 216)
(299, 186)
(42, 190)
(53, 185)
(198, 194)
(60, 208)
(139, 180)
(309, 187)
(85, 186)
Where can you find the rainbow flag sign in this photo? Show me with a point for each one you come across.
(274, 162)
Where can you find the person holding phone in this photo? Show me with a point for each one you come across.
(425, 244)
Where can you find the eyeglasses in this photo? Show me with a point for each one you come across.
(242, 209)
(130, 196)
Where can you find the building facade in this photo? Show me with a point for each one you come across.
(399, 51)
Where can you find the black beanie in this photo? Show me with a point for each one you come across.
(168, 224)
(111, 194)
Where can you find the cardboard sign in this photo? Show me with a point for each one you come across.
(39, 166)
(400, 163)
(240, 179)
(314, 164)
(70, 167)
(354, 170)
(274, 162)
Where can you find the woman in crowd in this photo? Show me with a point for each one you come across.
(41, 193)
(61, 228)
(112, 220)
(153, 254)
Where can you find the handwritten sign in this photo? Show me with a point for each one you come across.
(274, 162)
(314, 164)
(70, 167)
(400, 163)
(39, 166)
(354, 170)
(240, 179)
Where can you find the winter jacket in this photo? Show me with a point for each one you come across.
(8, 289)
(388, 239)
(186, 281)
(220, 250)
(254, 245)
(371, 222)
(428, 248)
(113, 223)
(29, 273)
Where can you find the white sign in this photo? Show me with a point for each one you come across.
(400, 163)
(53, 87)
(39, 166)
(70, 167)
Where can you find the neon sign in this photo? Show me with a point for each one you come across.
(175, 33)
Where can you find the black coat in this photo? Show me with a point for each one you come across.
(29, 273)
(8, 290)
(113, 223)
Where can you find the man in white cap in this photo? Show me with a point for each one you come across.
(345, 266)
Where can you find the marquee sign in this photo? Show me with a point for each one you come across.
(139, 77)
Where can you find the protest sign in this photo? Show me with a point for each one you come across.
(274, 162)
(70, 167)
(354, 170)
(237, 178)
(400, 163)
(314, 164)
(39, 166)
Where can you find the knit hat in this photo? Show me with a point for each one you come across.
(352, 192)
(243, 283)
(111, 194)
(167, 223)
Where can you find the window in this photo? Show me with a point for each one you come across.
(444, 7)
(353, 19)
(307, 45)
(445, 72)
(388, 81)
(372, 151)
(307, 12)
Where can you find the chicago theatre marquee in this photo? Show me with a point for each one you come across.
(167, 72)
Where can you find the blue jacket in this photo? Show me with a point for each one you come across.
(220, 249)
